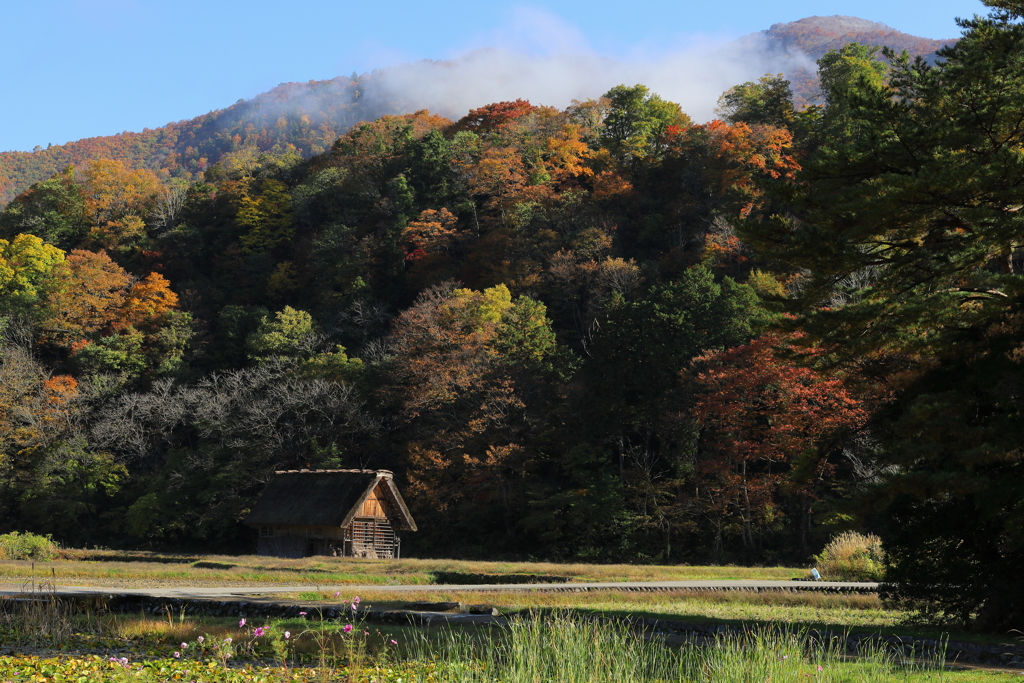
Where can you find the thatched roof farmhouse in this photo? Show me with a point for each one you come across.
(345, 513)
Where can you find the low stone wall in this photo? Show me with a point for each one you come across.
(795, 588)
(465, 579)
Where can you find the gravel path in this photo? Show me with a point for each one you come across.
(196, 591)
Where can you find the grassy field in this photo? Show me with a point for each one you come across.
(123, 647)
(835, 611)
(559, 648)
(825, 611)
(814, 610)
(85, 567)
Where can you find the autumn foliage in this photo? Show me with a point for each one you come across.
(496, 308)
(764, 414)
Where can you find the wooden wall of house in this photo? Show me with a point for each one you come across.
(369, 537)
(372, 538)
(375, 505)
(282, 546)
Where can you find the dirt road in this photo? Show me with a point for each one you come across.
(191, 591)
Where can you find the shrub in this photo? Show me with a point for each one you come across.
(27, 546)
(852, 557)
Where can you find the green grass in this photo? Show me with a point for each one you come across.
(803, 609)
(560, 648)
(122, 569)
(737, 605)
(796, 610)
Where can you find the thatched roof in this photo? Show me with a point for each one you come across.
(325, 498)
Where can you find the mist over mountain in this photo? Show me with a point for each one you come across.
(306, 118)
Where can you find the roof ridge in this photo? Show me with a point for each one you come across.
(327, 498)
(382, 473)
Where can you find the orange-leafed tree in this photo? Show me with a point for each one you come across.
(148, 300)
(566, 154)
(762, 409)
(725, 167)
(433, 232)
(86, 298)
(495, 117)
(430, 243)
(107, 322)
(118, 201)
(498, 177)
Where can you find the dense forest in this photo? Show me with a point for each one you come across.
(604, 333)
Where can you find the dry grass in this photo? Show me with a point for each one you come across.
(852, 557)
(121, 626)
(149, 569)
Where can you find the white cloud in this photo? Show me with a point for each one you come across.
(542, 59)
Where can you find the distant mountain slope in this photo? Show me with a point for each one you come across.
(308, 117)
(817, 35)
(814, 36)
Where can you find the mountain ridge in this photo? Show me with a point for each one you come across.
(816, 35)
(306, 118)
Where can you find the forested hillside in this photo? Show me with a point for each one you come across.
(601, 333)
(815, 36)
(306, 118)
(301, 118)
(504, 309)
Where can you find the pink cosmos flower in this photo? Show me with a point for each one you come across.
(241, 624)
(287, 635)
(347, 628)
(258, 632)
(177, 655)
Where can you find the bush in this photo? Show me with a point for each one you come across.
(27, 546)
(852, 557)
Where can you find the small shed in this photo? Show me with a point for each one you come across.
(344, 513)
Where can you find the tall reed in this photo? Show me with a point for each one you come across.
(39, 617)
(567, 649)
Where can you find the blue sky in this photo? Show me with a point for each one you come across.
(71, 69)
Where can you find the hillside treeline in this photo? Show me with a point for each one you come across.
(603, 333)
(296, 118)
(306, 118)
